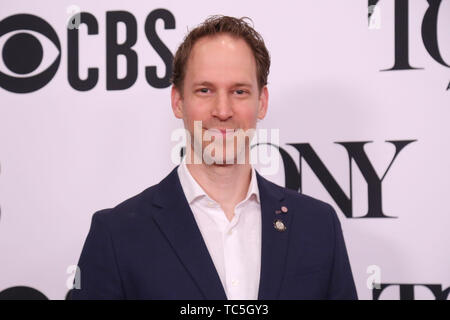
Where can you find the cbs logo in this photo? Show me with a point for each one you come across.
(25, 68)
(23, 54)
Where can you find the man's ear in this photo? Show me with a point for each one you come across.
(177, 102)
(263, 103)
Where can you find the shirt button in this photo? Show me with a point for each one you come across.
(235, 283)
(230, 232)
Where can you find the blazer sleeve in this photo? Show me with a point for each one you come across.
(98, 270)
(342, 285)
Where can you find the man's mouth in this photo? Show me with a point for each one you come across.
(223, 131)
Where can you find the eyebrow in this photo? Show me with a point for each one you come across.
(238, 84)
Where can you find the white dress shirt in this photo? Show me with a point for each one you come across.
(234, 246)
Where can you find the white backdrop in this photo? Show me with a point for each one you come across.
(65, 154)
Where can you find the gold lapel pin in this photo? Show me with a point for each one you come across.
(279, 225)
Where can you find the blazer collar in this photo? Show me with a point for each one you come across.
(177, 222)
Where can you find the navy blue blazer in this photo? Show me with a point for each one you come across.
(149, 247)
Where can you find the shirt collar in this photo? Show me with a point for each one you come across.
(193, 190)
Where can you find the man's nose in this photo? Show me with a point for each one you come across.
(223, 108)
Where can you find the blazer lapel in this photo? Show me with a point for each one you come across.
(274, 243)
(177, 222)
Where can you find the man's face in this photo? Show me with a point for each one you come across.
(220, 90)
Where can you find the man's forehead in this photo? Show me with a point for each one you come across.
(224, 40)
(221, 57)
(220, 47)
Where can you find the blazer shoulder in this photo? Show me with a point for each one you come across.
(128, 208)
(131, 211)
(297, 196)
(308, 205)
(309, 201)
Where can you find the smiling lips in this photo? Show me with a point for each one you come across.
(223, 131)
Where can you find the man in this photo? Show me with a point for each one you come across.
(217, 229)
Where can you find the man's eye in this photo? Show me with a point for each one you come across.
(203, 90)
(240, 92)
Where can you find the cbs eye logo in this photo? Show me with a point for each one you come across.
(22, 62)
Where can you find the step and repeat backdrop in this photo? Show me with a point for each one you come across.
(359, 91)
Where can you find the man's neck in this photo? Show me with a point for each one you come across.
(226, 184)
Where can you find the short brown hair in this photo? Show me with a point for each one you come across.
(222, 24)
